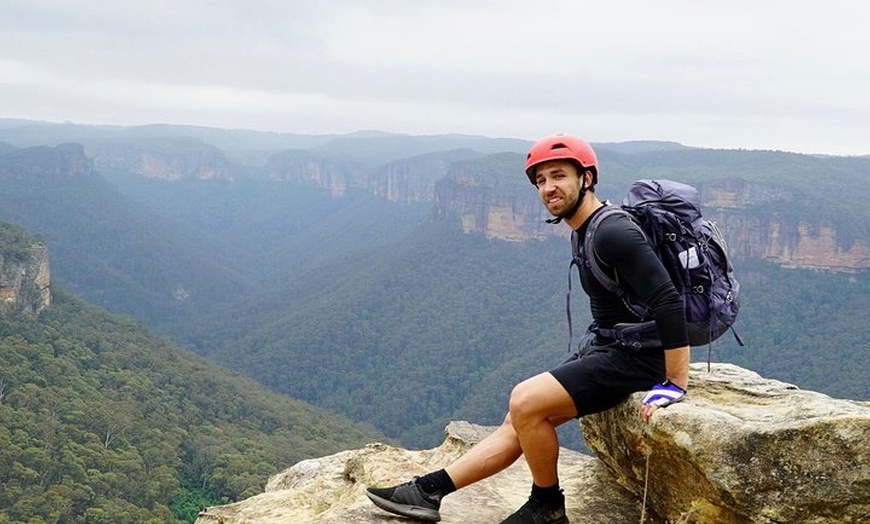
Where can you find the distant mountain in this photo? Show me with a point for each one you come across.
(370, 146)
(381, 149)
(640, 146)
(25, 133)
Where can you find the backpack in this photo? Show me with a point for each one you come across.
(690, 247)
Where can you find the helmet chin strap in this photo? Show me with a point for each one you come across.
(568, 213)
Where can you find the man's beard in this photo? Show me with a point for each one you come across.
(568, 213)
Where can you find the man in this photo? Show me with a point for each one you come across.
(596, 378)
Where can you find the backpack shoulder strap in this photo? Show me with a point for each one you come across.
(590, 257)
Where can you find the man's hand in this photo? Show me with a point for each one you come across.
(659, 396)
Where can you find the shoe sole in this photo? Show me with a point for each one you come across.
(405, 510)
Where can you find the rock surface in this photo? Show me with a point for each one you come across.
(25, 278)
(743, 449)
(740, 449)
(332, 489)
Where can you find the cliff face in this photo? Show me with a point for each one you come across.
(742, 449)
(405, 181)
(24, 277)
(758, 221)
(301, 167)
(46, 163)
(752, 218)
(332, 489)
(491, 203)
(172, 160)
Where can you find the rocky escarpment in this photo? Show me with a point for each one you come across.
(332, 489)
(20, 166)
(740, 449)
(487, 196)
(487, 201)
(405, 181)
(759, 221)
(24, 272)
(161, 159)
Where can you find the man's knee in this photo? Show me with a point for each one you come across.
(522, 404)
(540, 397)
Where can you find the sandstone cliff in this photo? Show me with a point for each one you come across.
(331, 489)
(162, 159)
(407, 181)
(486, 195)
(758, 220)
(24, 272)
(740, 450)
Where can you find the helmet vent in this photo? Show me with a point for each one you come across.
(560, 145)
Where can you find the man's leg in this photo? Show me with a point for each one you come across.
(494, 453)
(412, 499)
(491, 455)
(486, 458)
(534, 405)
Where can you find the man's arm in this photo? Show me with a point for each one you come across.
(677, 366)
(634, 259)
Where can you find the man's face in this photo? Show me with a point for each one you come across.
(558, 185)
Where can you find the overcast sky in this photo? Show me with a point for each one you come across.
(754, 74)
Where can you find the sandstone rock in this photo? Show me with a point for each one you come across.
(25, 279)
(742, 449)
(332, 489)
(170, 159)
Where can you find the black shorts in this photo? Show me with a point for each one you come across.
(601, 377)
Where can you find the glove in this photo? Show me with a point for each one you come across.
(664, 394)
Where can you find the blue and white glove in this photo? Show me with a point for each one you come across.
(664, 394)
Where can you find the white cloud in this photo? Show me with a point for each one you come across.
(761, 74)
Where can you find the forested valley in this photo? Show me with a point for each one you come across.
(310, 295)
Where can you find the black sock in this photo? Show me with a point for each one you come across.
(437, 482)
(551, 496)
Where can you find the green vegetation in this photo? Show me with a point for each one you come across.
(102, 422)
(404, 338)
(16, 242)
(442, 326)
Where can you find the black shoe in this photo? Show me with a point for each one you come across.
(536, 512)
(407, 500)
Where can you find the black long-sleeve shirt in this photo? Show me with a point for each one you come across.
(627, 257)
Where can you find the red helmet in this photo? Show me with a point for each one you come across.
(561, 147)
